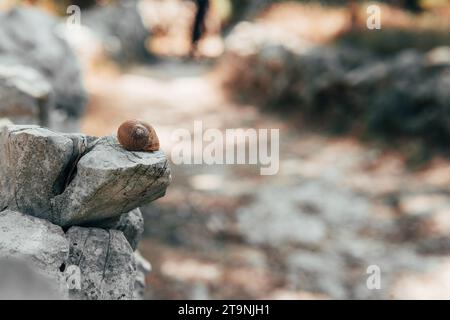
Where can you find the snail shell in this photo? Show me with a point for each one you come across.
(136, 135)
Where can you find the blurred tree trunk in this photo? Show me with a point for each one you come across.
(353, 14)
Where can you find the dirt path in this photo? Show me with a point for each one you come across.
(335, 208)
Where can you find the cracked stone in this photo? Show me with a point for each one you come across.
(131, 224)
(50, 180)
(32, 162)
(106, 262)
(72, 179)
(111, 181)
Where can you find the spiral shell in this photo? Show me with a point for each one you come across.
(136, 135)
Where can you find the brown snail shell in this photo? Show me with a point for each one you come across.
(136, 135)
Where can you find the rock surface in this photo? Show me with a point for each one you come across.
(33, 162)
(143, 267)
(49, 180)
(106, 262)
(46, 257)
(19, 281)
(111, 181)
(32, 42)
(131, 224)
(120, 28)
(74, 179)
(38, 242)
(26, 94)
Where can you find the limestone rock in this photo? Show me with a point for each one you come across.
(38, 242)
(111, 181)
(131, 224)
(75, 179)
(26, 94)
(19, 281)
(143, 267)
(106, 262)
(33, 166)
(120, 28)
(32, 39)
(72, 179)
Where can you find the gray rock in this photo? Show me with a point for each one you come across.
(120, 29)
(143, 267)
(72, 179)
(106, 262)
(26, 95)
(19, 281)
(34, 163)
(38, 242)
(111, 181)
(131, 224)
(75, 179)
(32, 38)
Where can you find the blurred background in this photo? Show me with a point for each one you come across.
(364, 119)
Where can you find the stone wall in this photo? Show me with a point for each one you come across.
(403, 95)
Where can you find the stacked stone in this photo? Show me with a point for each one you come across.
(69, 209)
